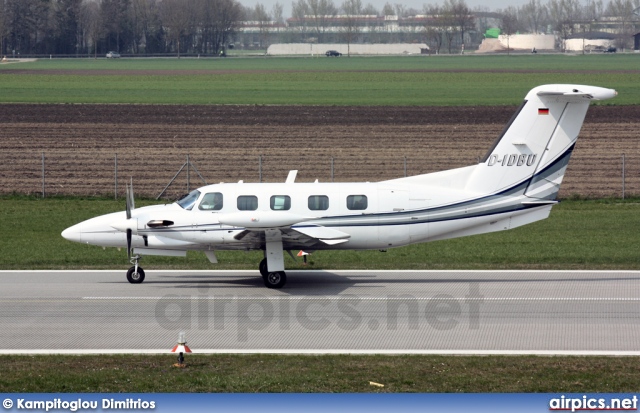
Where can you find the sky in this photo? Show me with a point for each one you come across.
(493, 5)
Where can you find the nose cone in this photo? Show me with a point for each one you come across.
(73, 233)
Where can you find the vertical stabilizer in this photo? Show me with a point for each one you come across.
(533, 151)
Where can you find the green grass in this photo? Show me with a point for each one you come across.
(579, 234)
(410, 80)
(350, 374)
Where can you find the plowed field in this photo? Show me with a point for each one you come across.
(225, 143)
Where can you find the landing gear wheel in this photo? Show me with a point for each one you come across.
(263, 267)
(135, 277)
(275, 279)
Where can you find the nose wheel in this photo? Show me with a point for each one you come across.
(135, 275)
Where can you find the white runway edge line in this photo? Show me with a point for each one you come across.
(250, 271)
(345, 298)
(355, 352)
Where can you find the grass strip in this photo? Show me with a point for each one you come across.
(399, 81)
(330, 373)
(579, 234)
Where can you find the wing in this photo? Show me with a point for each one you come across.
(294, 232)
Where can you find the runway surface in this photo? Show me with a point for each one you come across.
(450, 312)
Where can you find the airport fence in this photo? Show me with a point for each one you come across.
(104, 174)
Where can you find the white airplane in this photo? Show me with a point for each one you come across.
(515, 184)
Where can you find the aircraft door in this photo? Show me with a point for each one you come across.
(393, 204)
(418, 217)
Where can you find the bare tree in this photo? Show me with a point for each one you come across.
(225, 19)
(299, 11)
(435, 26)
(370, 10)
(352, 9)
(3, 28)
(388, 10)
(66, 26)
(91, 18)
(564, 15)
(534, 16)
(145, 25)
(176, 18)
(460, 16)
(509, 24)
(622, 12)
(322, 12)
(277, 12)
(263, 19)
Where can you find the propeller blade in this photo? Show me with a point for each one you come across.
(129, 199)
(129, 243)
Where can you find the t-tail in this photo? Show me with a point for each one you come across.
(531, 155)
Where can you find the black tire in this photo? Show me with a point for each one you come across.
(133, 277)
(263, 268)
(275, 279)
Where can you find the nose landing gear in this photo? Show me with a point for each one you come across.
(135, 275)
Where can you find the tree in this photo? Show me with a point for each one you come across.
(264, 23)
(91, 20)
(564, 15)
(176, 18)
(621, 11)
(3, 28)
(115, 17)
(146, 28)
(322, 12)
(509, 24)
(387, 10)
(534, 16)
(460, 16)
(224, 21)
(299, 11)
(66, 26)
(435, 27)
(352, 9)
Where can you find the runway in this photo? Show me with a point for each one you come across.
(384, 312)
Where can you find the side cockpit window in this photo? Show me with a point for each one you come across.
(357, 202)
(211, 202)
(188, 201)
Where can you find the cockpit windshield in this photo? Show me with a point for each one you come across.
(187, 201)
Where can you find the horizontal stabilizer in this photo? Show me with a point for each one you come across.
(577, 92)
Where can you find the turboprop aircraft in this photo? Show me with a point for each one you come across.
(516, 183)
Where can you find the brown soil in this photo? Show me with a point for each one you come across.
(224, 143)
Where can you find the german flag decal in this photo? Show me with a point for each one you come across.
(543, 111)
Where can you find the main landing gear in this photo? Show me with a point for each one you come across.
(273, 279)
(135, 275)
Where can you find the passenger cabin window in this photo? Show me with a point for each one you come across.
(280, 203)
(211, 202)
(318, 202)
(247, 203)
(357, 202)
